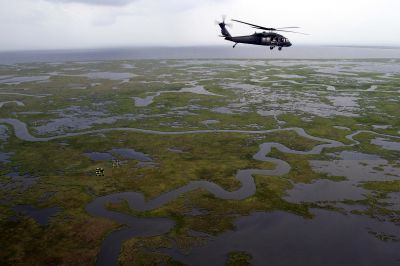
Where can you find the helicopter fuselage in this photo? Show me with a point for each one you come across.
(264, 38)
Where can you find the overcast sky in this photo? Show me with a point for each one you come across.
(59, 24)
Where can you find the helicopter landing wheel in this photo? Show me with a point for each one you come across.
(280, 48)
(271, 47)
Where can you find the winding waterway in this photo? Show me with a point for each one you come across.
(135, 226)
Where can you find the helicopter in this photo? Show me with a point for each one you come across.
(268, 37)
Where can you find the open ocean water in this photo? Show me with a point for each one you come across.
(203, 52)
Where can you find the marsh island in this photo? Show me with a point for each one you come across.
(205, 162)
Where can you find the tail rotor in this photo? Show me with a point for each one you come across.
(223, 23)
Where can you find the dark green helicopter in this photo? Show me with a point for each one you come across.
(266, 38)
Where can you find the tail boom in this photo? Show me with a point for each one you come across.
(224, 31)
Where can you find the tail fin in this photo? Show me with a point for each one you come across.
(224, 31)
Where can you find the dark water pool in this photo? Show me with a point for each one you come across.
(281, 238)
(41, 216)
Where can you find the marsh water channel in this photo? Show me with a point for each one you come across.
(245, 98)
(278, 237)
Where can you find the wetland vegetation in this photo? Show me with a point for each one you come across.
(181, 165)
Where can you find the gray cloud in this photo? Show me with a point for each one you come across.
(126, 2)
(65, 24)
(97, 2)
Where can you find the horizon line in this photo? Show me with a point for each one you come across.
(124, 47)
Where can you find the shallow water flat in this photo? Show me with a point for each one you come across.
(202, 161)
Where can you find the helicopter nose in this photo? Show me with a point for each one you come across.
(289, 44)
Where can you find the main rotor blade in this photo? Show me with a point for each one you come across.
(270, 29)
(294, 32)
(288, 28)
(253, 25)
